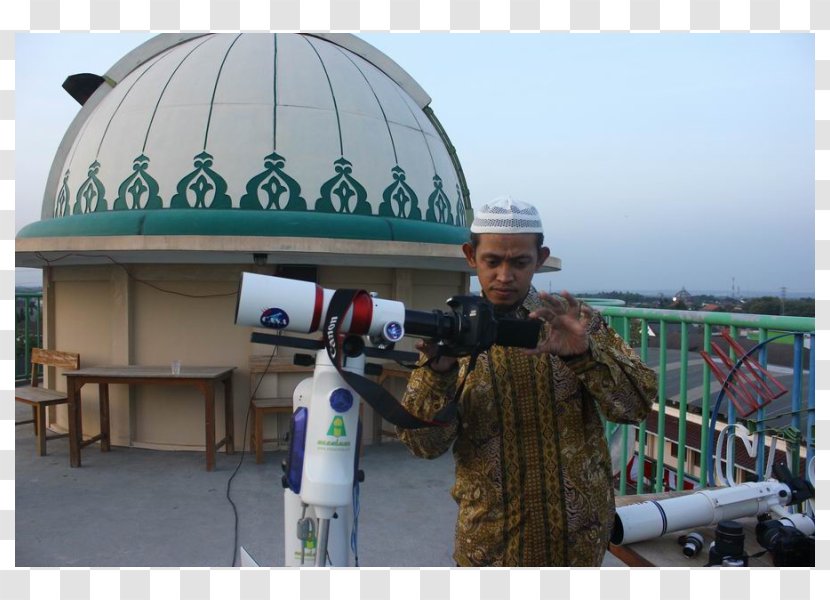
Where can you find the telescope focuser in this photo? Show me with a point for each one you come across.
(801, 490)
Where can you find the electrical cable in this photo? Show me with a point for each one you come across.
(130, 275)
(715, 409)
(241, 458)
(356, 511)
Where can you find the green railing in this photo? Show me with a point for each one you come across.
(800, 414)
(28, 309)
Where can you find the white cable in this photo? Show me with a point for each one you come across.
(773, 446)
(730, 457)
(741, 432)
(751, 446)
(721, 478)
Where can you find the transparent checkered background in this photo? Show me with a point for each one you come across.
(413, 15)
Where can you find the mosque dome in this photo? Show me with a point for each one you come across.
(240, 143)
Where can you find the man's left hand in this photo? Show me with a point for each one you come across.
(566, 325)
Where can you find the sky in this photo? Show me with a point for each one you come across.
(656, 161)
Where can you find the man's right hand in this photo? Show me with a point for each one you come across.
(442, 364)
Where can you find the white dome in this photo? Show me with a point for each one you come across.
(276, 122)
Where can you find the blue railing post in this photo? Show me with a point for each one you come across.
(795, 401)
(760, 462)
(811, 402)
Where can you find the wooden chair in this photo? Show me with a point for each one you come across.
(260, 407)
(39, 397)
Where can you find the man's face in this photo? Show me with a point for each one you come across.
(505, 264)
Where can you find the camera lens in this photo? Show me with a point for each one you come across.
(692, 544)
(729, 538)
(728, 548)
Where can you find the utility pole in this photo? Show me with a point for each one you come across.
(783, 298)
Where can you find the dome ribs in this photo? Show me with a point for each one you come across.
(244, 122)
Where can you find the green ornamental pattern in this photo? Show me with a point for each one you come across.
(439, 210)
(139, 190)
(274, 186)
(399, 200)
(91, 194)
(343, 193)
(204, 186)
(271, 189)
(62, 201)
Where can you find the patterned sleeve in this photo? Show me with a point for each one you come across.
(623, 387)
(427, 393)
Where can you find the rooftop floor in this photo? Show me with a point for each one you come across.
(147, 508)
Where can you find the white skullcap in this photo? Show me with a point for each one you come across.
(505, 215)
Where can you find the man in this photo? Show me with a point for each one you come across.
(533, 472)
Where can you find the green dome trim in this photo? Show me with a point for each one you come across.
(233, 222)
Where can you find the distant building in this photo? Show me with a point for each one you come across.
(682, 296)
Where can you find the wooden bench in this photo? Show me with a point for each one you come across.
(260, 365)
(39, 397)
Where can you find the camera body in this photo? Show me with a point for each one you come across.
(789, 546)
(471, 326)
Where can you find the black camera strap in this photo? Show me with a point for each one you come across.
(375, 395)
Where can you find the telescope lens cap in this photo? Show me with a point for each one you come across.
(730, 527)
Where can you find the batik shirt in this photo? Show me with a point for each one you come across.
(533, 484)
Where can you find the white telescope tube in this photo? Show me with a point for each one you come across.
(301, 306)
(651, 519)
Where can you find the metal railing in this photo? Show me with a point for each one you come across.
(760, 329)
(28, 311)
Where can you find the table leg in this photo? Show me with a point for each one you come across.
(210, 424)
(258, 418)
(40, 428)
(229, 449)
(73, 394)
(104, 409)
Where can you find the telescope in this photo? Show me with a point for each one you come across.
(653, 518)
(321, 473)
(471, 325)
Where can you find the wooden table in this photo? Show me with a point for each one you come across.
(203, 378)
(664, 551)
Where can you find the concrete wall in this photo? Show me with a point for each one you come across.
(161, 313)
